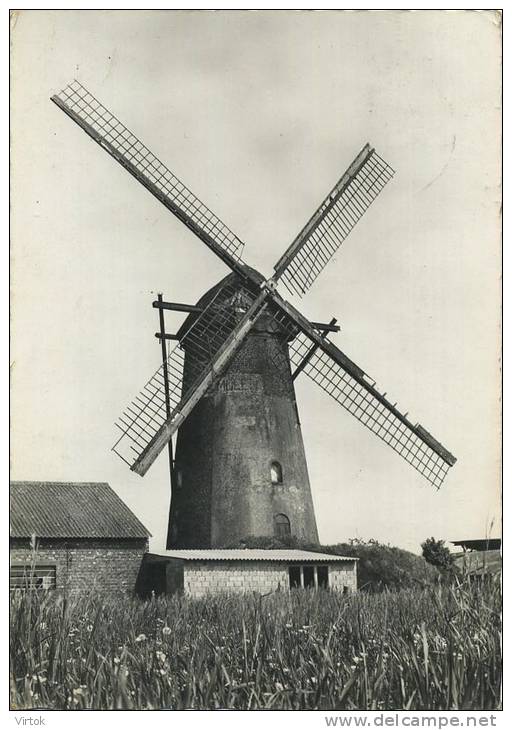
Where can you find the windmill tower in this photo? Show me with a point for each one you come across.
(252, 477)
(226, 387)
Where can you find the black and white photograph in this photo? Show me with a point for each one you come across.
(255, 358)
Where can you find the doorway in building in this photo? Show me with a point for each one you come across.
(294, 573)
(282, 526)
(308, 572)
(322, 572)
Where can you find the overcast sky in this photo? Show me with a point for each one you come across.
(259, 113)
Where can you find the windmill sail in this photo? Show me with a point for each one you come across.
(214, 336)
(134, 156)
(350, 386)
(362, 400)
(326, 230)
(210, 343)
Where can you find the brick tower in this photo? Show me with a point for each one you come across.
(240, 467)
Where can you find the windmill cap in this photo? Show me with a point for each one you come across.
(264, 323)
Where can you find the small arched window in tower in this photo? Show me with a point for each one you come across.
(282, 526)
(276, 473)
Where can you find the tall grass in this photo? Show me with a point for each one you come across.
(433, 649)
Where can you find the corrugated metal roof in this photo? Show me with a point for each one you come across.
(282, 556)
(71, 509)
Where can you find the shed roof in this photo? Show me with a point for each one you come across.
(71, 509)
(277, 556)
(488, 543)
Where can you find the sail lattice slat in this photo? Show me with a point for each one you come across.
(141, 420)
(127, 149)
(351, 387)
(334, 220)
(373, 412)
(200, 343)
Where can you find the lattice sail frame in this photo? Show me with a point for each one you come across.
(346, 383)
(358, 394)
(373, 412)
(129, 151)
(333, 221)
(298, 267)
(144, 417)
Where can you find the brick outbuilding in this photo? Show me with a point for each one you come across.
(201, 572)
(77, 535)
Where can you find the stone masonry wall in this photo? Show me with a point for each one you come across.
(111, 565)
(223, 491)
(343, 575)
(204, 577)
(239, 577)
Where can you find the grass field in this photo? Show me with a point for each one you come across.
(432, 649)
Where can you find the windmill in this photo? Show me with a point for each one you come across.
(226, 387)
